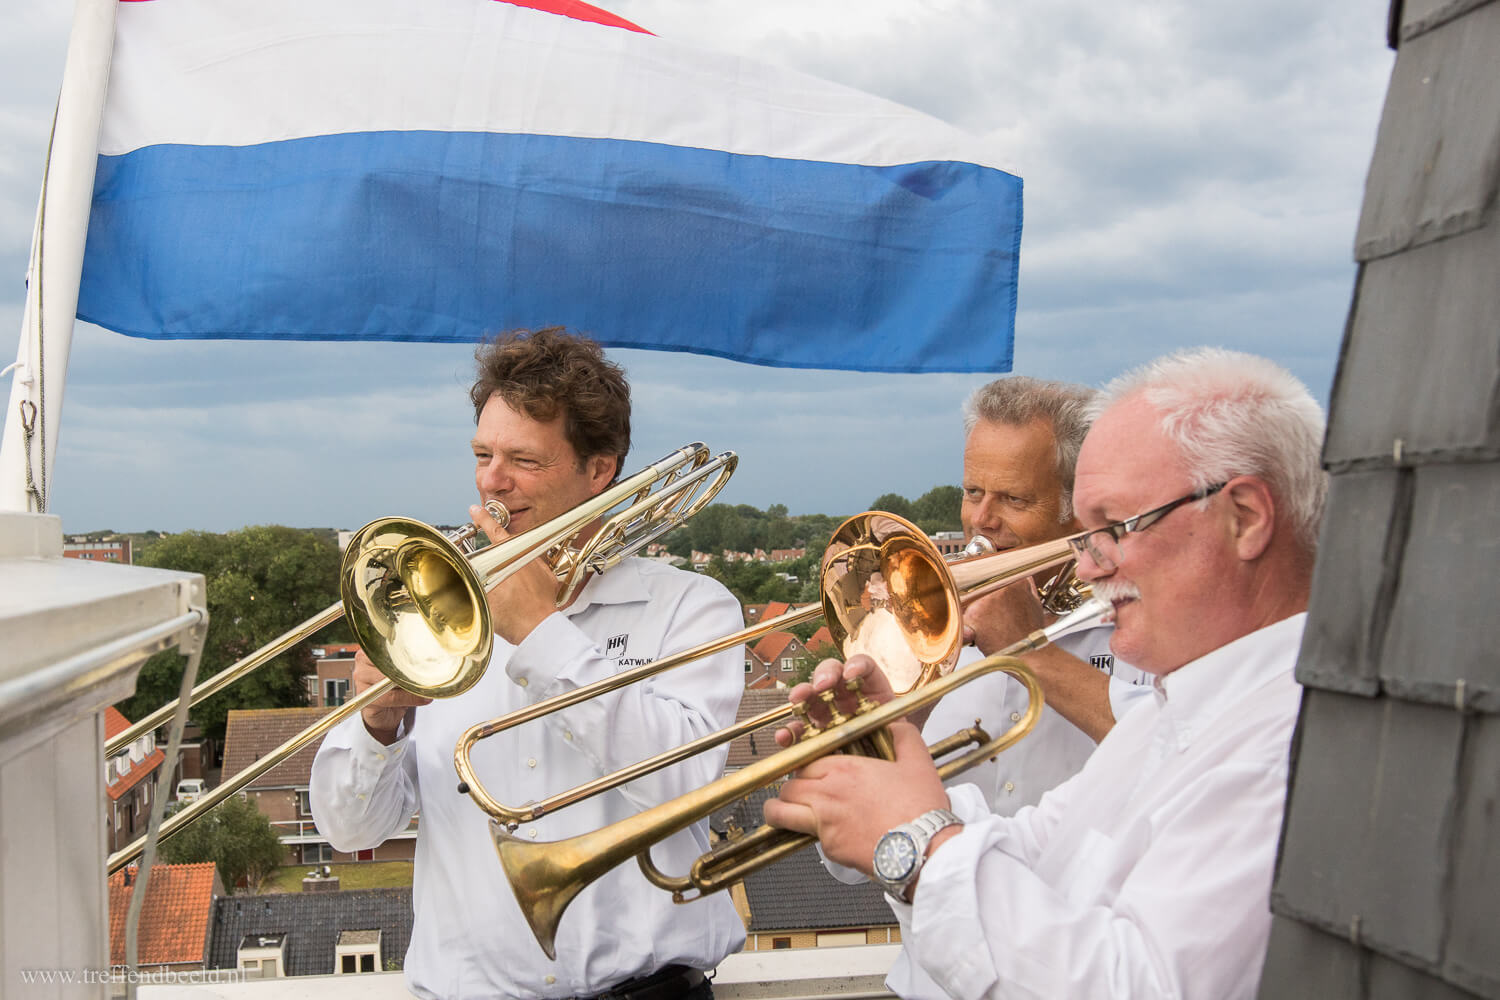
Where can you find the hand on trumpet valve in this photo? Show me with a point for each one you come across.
(848, 802)
(994, 621)
(521, 601)
(384, 716)
(833, 694)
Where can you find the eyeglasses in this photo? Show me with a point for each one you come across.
(1103, 544)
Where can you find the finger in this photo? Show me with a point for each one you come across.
(790, 816)
(800, 693)
(487, 523)
(827, 674)
(907, 740)
(788, 734)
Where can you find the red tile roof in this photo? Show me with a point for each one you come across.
(114, 724)
(250, 734)
(775, 609)
(174, 919)
(770, 648)
(822, 637)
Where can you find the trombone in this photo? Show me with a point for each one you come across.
(546, 876)
(417, 603)
(886, 591)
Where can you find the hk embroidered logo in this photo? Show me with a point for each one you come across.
(615, 646)
(1104, 662)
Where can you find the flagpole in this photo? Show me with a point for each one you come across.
(28, 449)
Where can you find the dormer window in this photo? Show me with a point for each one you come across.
(262, 956)
(356, 952)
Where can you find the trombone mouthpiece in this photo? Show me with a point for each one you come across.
(497, 510)
(1094, 611)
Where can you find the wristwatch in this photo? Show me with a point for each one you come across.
(901, 850)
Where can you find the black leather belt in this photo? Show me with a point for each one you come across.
(667, 984)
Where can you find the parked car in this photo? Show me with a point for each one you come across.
(190, 790)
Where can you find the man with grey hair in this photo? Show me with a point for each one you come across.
(1147, 874)
(1022, 437)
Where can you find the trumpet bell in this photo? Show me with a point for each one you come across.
(417, 607)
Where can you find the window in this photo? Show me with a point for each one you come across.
(262, 956)
(316, 854)
(781, 942)
(788, 663)
(357, 951)
(747, 666)
(334, 692)
(304, 802)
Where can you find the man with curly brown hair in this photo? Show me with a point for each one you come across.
(552, 430)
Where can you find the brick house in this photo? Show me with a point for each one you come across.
(333, 682)
(758, 675)
(281, 794)
(115, 550)
(780, 652)
(172, 933)
(129, 781)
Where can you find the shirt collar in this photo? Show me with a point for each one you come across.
(1194, 695)
(622, 584)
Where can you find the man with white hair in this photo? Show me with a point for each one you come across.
(1147, 874)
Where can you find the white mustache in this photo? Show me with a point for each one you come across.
(1115, 591)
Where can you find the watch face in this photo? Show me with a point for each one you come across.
(895, 856)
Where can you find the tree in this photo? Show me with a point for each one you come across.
(893, 503)
(236, 837)
(938, 509)
(262, 581)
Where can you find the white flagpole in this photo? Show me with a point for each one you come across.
(28, 449)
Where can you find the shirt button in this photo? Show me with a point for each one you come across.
(568, 735)
(360, 796)
(532, 834)
(522, 681)
(531, 762)
(550, 980)
(380, 756)
(1015, 717)
(1010, 786)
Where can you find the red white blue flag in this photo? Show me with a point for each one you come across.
(435, 170)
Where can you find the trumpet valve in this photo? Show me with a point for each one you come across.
(809, 727)
(835, 716)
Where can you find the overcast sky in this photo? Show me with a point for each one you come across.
(1193, 174)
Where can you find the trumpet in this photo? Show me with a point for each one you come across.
(885, 590)
(546, 876)
(416, 600)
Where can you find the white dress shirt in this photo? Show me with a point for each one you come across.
(1055, 749)
(469, 938)
(1146, 875)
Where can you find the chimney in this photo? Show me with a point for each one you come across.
(320, 881)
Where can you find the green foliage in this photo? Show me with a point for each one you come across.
(262, 582)
(938, 509)
(893, 503)
(235, 836)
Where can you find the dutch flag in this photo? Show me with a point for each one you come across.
(435, 170)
